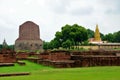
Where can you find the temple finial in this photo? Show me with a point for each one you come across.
(97, 34)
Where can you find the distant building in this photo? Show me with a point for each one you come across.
(97, 38)
(29, 37)
(4, 45)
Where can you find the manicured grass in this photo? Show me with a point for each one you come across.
(29, 67)
(39, 72)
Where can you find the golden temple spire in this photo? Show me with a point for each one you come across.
(97, 34)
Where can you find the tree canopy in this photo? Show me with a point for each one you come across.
(69, 35)
(112, 37)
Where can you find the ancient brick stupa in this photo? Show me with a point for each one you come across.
(29, 37)
(96, 39)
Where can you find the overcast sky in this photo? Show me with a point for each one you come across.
(51, 15)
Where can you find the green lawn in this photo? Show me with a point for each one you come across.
(39, 72)
(29, 67)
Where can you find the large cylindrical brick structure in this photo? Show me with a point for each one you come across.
(29, 37)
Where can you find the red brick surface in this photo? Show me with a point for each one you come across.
(29, 31)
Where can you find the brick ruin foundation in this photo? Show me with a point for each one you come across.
(64, 59)
(7, 56)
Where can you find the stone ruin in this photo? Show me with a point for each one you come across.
(7, 56)
(29, 37)
(62, 59)
(65, 59)
(96, 58)
(56, 59)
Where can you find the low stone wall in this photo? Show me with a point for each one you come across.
(22, 55)
(55, 55)
(63, 63)
(6, 64)
(43, 56)
(35, 60)
(59, 56)
(95, 52)
(80, 59)
(87, 61)
(64, 59)
(44, 62)
(21, 63)
(6, 58)
(57, 64)
(14, 74)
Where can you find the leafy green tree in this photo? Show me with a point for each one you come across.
(0, 46)
(55, 43)
(90, 33)
(116, 36)
(66, 32)
(112, 37)
(58, 39)
(102, 36)
(109, 37)
(11, 47)
(75, 33)
(80, 33)
(67, 44)
(45, 45)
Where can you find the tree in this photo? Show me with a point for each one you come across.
(66, 32)
(11, 47)
(75, 33)
(67, 44)
(117, 36)
(58, 39)
(80, 33)
(45, 45)
(102, 36)
(1, 46)
(109, 37)
(55, 43)
(112, 37)
(90, 33)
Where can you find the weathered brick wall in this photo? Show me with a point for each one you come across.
(43, 56)
(59, 56)
(56, 55)
(86, 61)
(80, 59)
(6, 58)
(95, 52)
(22, 55)
(1, 58)
(29, 31)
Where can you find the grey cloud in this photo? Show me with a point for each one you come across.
(112, 6)
(64, 7)
(59, 6)
(115, 10)
(82, 11)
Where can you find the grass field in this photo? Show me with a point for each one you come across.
(39, 72)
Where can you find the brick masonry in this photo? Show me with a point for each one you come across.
(29, 37)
